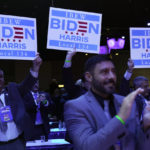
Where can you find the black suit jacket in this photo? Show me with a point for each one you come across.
(125, 90)
(14, 98)
(73, 90)
(45, 110)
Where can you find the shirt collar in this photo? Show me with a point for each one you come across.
(100, 99)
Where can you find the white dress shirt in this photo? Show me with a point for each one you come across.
(12, 131)
(38, 120)
(11, 126)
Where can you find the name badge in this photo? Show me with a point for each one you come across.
(5, 114)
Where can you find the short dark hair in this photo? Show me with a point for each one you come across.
(138, 80)
(92, 61)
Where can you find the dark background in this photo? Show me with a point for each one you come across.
(117, 17)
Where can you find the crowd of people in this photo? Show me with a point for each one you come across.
(95, 115)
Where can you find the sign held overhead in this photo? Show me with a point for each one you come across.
(70, 29)
(140, 47)
(18, 37)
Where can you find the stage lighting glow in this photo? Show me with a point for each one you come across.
(111, 43)
(121, 43)
(60, 85)
(103, 50)
(116, 44)
(148, 24)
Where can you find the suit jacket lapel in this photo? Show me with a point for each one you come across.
(31, 97)
(6, 99)
(98, 110)
(5, 92)
(117, 103)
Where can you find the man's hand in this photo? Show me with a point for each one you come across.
(36, 63)
(70, 54)
(126, 107)
(130, 64)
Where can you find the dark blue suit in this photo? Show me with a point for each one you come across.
(73, 90)
(14, 98)
(125, 90)
(32, 110)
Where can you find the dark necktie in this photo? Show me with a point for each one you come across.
(112, 109)
(3, 125)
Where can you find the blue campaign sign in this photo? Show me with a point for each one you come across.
(70, 29)
(140, 47)
(18, 37)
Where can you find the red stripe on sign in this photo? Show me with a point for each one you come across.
(18, 32)
(17, 28)
(80, 22)
(82, 26)
(82, 31)
(18, 37)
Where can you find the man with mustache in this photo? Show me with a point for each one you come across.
(100, 119)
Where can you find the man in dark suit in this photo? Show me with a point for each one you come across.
(125, 88)
(73, 89)
(138, 82)
(15, 123)
(100, 119)
(39, 105)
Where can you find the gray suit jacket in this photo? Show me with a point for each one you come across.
(89, 128)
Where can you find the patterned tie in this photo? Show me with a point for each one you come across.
(38, 119)
(3, 125)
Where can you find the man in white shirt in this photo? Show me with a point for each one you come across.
(14, 121)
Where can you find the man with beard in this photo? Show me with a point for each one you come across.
(100, 119)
